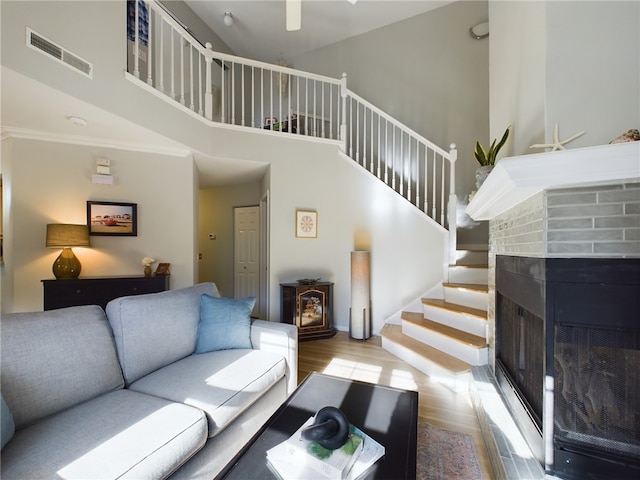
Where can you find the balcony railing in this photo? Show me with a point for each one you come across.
(231, 90)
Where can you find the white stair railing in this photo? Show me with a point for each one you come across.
(226, 88)
(237, 91)
(416, 168)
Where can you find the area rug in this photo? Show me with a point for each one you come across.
(445, 455)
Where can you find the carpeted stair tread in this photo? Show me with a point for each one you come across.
(394, 334)
(454, 307)
(468, 286)
(463, 337)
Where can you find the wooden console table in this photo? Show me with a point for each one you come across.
(98, 290)
(310, 308)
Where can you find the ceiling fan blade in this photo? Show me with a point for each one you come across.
(294, 15)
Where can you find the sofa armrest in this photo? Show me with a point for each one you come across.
(279, 338)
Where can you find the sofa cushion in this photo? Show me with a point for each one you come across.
(224, 323)
(222, 383)
(156, 329)
(121, 434)
(6, 418)
(56, 359)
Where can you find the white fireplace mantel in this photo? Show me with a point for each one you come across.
(515, 179)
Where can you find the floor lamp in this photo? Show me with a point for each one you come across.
(360, 311)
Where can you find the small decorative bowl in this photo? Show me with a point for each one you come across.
(308, 281)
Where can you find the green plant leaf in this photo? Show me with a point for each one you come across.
(503, 140)
(489, 157)
(480, 154)
(318, 450)
(351, 444)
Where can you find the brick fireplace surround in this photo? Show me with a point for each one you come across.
(576, 204)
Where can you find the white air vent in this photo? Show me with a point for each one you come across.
(43, 45)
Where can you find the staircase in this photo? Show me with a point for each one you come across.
(222, 89)
(449, 335)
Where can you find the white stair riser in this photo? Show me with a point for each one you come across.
(459, 274)
(455, 382)
(461, 321)
(470, 298)
(472, 257)
(471, 355)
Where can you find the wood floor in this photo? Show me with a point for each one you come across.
(369, 362)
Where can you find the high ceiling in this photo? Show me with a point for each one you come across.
(259, 32)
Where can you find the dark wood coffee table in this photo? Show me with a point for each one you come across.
(389, 415)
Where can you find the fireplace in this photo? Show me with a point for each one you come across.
(567, 349)
(309, 306)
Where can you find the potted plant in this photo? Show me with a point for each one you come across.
(487, 159)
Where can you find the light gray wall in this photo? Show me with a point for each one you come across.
(6, 275)
(594, 46)
(216, 216)
(50, 182)
(73, 25)
(576, 64)
(428, 73)
(517, 88)
(355, 211)
(195, 25)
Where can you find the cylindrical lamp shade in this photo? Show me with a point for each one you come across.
(66, 236)
(360, 313)
(60, 235)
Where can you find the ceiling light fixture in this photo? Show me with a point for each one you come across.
(80, 122)
(228, 19)
(480, 31)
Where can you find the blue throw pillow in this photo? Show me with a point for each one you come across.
(8, 427)
(225, 323)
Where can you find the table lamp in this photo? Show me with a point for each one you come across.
(65, 236)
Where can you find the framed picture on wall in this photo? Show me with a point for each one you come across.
(112, 218)
(306, 224)
(163, 269)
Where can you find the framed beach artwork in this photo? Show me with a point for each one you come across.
(306, 224)
(112, 218)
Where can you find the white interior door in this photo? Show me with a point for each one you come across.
(246, 253)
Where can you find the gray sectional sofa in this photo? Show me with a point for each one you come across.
(122, 394)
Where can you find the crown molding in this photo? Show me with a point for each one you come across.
(23, 133)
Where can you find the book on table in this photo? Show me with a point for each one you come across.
(296, 458)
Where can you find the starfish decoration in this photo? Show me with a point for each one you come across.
(557, 144)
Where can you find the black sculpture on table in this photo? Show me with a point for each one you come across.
(330, 428)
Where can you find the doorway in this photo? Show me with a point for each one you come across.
(246, 254)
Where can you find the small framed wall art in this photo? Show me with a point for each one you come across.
(163, 269)
(112, 218)
(306, 224)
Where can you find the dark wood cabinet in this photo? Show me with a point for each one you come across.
(98, 290)
(310, 308)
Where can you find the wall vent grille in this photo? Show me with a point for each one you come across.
(43, 45)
